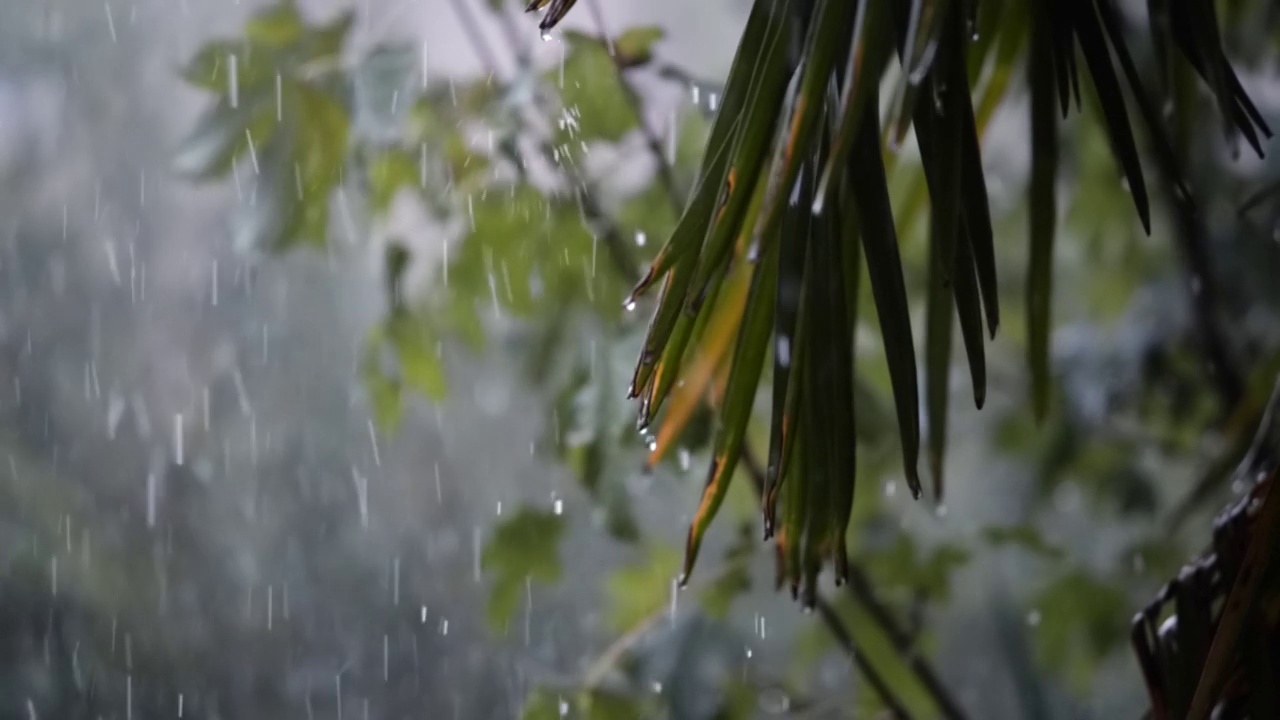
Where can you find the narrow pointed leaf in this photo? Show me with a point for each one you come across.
(697, 373)
(751, 147)
(868, 55)
(735, 412)
(1042, 205)
(691, 229)
(793, 246)
(970, 313)
(1094, 48)
(884, 266)
(822, 46)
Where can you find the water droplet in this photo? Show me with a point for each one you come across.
(890, 488)
(683, 456)
(641, 238)
(784, 351)
(546, 36)
(558, 507)
(656, 687)
(1033, 618)
(630, 306)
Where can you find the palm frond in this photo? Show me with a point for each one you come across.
(793, 187)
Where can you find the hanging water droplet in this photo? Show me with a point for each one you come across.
(546, 36)
(783, 351)
(630, 306)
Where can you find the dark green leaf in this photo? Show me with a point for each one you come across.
(523, 548)
(884, 267)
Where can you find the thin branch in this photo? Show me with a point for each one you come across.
(471, 27)
(665, 174)
(862, 592)
(836, 626)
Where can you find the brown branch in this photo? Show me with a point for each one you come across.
(665, 174)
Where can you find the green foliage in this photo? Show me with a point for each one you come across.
(635, 46)
(595, 106)
(922, 573)
(639, 590)
(283, 109)
(523, 549)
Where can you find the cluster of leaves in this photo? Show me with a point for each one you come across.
(792, 192)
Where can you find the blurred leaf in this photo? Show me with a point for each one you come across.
(735, 578)
(904, 565)
(221, 135)
(1079, 619)
(276, 27)
(552, 704)
(384, 395)
(640, 589)
(523, 548)
(595, 105)
(1026, 537)
(635, 46)
(421, 366)
(389, 172)
(382, 83)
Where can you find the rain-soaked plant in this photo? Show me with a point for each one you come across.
(792, 199)
(791, 212)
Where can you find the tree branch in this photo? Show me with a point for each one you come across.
(665, 175)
